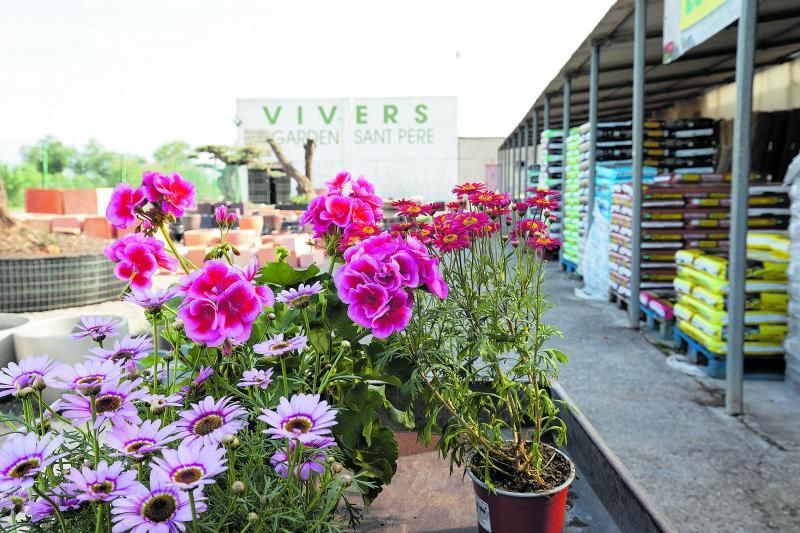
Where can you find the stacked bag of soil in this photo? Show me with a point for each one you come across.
(551, 159)
(792, 342)
(678, 216)
(702, 295)
(574, 200)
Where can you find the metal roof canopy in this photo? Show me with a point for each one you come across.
(707, 65)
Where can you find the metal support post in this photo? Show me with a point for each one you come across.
(737, 261)
(639, 30)
(594, 75)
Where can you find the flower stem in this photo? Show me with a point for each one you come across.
(185, 263)
(98, 523)
(60, 518)
(285, 381)
(194, 510)
(96, 445)
(155, 356)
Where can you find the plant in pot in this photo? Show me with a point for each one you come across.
(264, 414)
(483, 366)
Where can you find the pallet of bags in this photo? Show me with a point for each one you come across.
(701, 311)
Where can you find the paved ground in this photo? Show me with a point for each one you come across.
(707, 471)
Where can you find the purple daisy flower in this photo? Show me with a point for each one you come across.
(256, 378)
(20, 378)
(139, 440)
(14, 502)
(101, 485)
(303, 417)
(96, 327)
(192, 465)
(300, 297)
(114, 402)
(151, 300)
(209, 421)
(87, 378)
(41, 508)
(202, 375)
(127, 349)
(276, 346)
(163, 508)
(313, 459)
(22, 457)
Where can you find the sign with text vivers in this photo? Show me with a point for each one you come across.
(406, 146)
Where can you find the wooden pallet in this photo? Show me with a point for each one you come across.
(620, 301)
(656, 322)
(766, 368)
(567, 266)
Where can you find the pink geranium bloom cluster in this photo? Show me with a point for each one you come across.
(348, 202)
(170, 195)
(377, 279)
(222, 303)
(138, 258)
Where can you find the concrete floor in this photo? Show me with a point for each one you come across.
(707, 471)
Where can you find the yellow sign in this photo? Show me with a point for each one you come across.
(693, 11)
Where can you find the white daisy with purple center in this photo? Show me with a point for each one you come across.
(208, 420)
(96, 327)
(103, 484)
(278, 346)
(88, 377)
(300, 297)
(193, 465)
(304, 417)
(113, 402)
(21, 378)
(24, 456)
(162, 508)
(125, 350)
(256, 378)
(139, 440)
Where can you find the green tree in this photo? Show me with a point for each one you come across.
(59, 155)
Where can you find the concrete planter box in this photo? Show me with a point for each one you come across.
(51, 336)
(45, 283)
(9, 323)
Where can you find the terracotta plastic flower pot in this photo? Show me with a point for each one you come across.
(515, 512)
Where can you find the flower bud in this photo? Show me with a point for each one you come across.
(236, 443)
(227, 439)
(24, 391)
(157, 406)
(347, 479)
(237, 487)
(38, 383)
(177, 324)
(270, 316)
(337, 467)
(252, 517)
(345, 344)
(169, 356)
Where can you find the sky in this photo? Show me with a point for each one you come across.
(134, 75)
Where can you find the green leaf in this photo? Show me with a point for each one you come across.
(283, 275)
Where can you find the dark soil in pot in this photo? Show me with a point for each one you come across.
(556, 469)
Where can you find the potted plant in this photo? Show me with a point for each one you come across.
(264, 414)
(481, 355)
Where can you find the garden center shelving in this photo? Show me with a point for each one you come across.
(551, 159)
(618, 70)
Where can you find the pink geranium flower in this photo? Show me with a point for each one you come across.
(222, 303)
(172, 194)
(137, 258)
(121, 210)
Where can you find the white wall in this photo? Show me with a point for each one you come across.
(474, 153)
